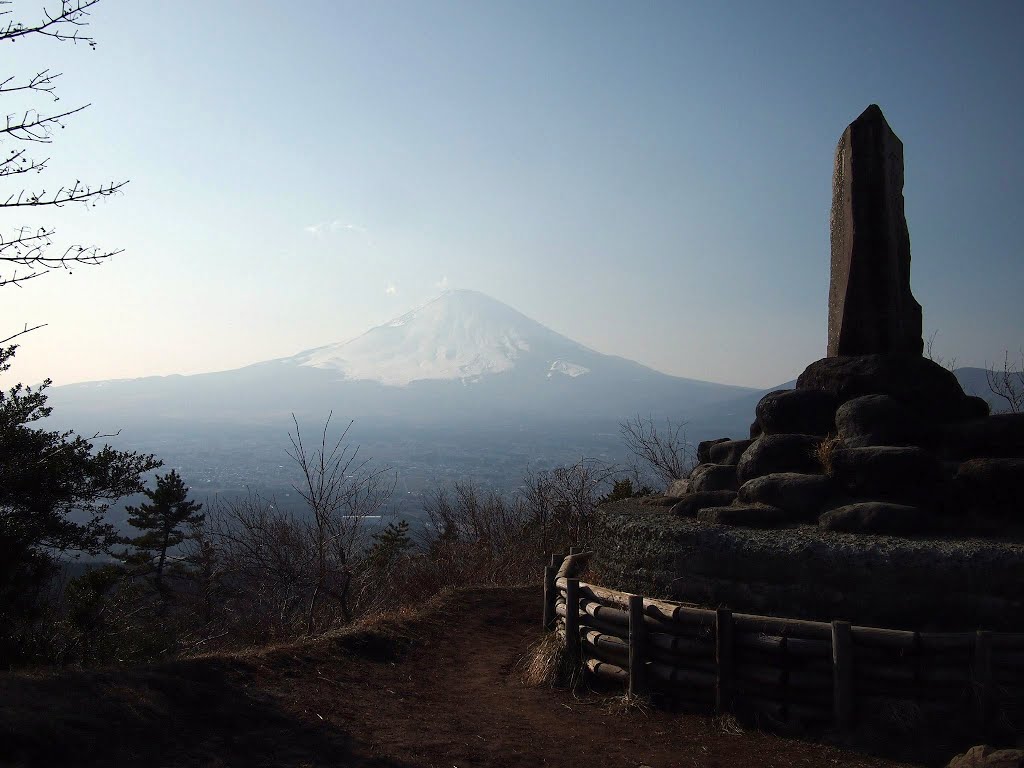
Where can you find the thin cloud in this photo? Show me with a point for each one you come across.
(391, 290)
(330, 227)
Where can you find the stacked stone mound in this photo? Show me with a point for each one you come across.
(865, 443)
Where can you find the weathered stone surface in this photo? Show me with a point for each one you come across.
(678, 488)
(746, 515)
(984, 756)
(877, 517)
(800, 495)
(797, 412)
(729, 452)
(755, 430)
(871, 309)
(704, 449)
(944, 584)
(887, 473)
(713, 477)
(991, 487)
(998, 436)
(779, 453)
(690, 505)
(924, 387)
(877, 420)
(658, 500)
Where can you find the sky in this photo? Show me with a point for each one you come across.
(650, 179)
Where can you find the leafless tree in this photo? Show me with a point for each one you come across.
(561, 502)
(28, 252)
(288, 567)
(340, 489)
(665, 451)
(929, 352)
(476, 536)
(1008, 383)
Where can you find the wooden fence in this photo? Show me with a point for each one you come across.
(812, 671)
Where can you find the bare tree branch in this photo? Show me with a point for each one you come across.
(41, 82)
(666, 452)
(17, 162)
(27, 251)
(1008, 383)
(23, 331)
(63, 25)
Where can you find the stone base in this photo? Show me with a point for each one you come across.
(924, 387)
(811, 573)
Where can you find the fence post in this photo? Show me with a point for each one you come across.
(637, 650)
(572, 623)
(724, 660)
(984, 690)
(550, 595)
(842, 674)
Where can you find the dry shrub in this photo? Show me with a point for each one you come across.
(826, 450)
(544, 663)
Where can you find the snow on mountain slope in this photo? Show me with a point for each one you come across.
(461, 335)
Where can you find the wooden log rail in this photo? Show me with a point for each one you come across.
(790, 668)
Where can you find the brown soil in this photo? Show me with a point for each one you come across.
(434, 689)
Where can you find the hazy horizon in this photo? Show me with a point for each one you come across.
(652, 182)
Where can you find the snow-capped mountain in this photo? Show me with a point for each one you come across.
(460, 335)
(462, 358)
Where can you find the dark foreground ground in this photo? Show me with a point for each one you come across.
(435, 688)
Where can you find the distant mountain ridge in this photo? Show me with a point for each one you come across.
(462, 356)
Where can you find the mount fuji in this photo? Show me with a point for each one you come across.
(462, 357)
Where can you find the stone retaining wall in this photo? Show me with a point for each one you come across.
(808, 572)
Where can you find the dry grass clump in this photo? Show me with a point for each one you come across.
(544, 662)
(728, 725)
(826, 450)
(627, 703)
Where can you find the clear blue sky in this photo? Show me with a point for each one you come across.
(651, 179)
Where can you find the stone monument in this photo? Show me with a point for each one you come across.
(871, 309)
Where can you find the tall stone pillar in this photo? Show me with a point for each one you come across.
(871, 309)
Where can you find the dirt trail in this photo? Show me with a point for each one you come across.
(446, 695)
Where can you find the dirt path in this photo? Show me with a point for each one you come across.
(444, 695)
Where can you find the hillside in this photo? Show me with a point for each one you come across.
(437, 688)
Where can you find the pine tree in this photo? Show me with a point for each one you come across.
(163, 521)
(390, 544)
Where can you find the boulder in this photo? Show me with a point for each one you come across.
(755, 430)
(797, 411)
(998, 436)
(887, 472)
(713, 477)
(923, 386)
(977, 407)
(779, 453)
(657, 500)
(729, 451)
(984, 756)
(690, 505)
(876, 517)
(990, 487)
(678, 488)
(801, 495)
(877, 420)
(704, 449)
(746, 516)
